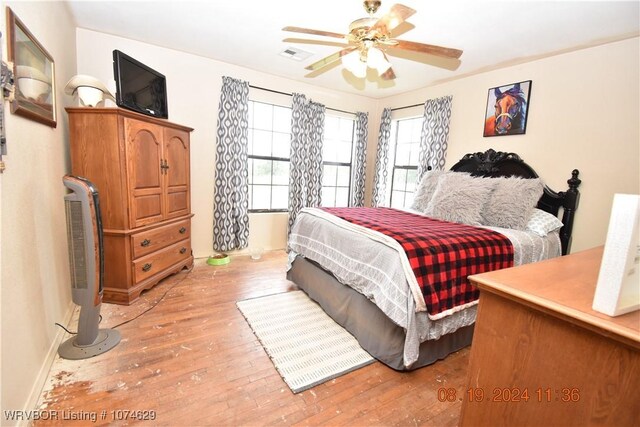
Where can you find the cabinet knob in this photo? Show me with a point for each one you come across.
(183, 250)
(145, 243)
(146, 267)
(182, 230)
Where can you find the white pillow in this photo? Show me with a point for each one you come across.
(425, 189)
(543, 223)
(511, 202)
(459, 197)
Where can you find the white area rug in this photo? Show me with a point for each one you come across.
(306, 346)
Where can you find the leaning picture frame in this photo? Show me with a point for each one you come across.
(618, 286)
(34, 73)
(507, 109)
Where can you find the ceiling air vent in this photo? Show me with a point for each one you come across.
(295, 53)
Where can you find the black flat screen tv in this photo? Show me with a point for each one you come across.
(138, 87)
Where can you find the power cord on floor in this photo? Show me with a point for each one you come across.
(157, 302)
(140, 314)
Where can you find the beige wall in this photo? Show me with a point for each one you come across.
(584, 114)
(193, 86)
(35, 277)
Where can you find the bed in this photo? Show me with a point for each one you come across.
(361, 279)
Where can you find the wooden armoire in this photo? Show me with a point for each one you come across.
(140, 166)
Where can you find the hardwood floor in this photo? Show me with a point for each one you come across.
(193, 360)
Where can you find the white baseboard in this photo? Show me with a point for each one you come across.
(41, 379)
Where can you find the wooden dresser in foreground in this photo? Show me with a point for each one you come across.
(542, 357)
(141, 168)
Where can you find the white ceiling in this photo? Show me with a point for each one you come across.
(249, 32)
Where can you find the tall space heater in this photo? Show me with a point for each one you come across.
(86, 261)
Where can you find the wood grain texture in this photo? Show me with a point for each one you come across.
(122, 152)
(194, 360)
(576, 371)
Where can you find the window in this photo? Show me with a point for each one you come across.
(406, 139)
(337, 152)
(268, 153)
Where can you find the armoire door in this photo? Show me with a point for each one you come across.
(176, 173)
(144, 155)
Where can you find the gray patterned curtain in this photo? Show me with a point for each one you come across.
(360, 159)
(382, 160)
(305, 166)
(434, 138)
(231, 201)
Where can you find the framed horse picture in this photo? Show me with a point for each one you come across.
(507, 109)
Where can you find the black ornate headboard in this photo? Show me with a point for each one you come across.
(493, 163)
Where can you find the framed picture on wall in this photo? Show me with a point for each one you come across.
(507, 109)
(33, 70)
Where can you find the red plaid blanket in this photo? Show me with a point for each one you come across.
(442, 254)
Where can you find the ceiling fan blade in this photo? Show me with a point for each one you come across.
(393, 18)
(428, 48)
(314, 32)
(331, 58)
(317, 42)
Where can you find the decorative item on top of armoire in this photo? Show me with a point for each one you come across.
(140, 166)
(90, 91)
(34, 71)
(507, 109)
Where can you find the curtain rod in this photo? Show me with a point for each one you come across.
(290, 94)
(407, 106)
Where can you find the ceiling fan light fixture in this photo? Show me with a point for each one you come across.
(353, 64)
(376, 59)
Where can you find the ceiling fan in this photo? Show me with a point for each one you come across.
(369, 40)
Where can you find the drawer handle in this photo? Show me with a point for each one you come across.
(145, 243)
(182, 230)
(146, 267)
(183, 250)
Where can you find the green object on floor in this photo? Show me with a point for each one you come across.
(219, 259)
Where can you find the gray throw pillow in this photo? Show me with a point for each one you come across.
(425, 189)
(459, 197)
(512, 202)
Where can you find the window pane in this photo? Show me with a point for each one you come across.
(329, 175)
(331, 127)
(399, 179)
(329, 150)
(280, 197)
(281, 145)
(416, 129)
(414, 153)
(404, 130)
(343, 176)
(250, 141)
(261, 197)
(342, 197)
(344, 152)
(402, 154)
(411, 180)
(261, 172)
(328, 196)
(281, 119)
(262, 116)
(250, 169)
(397, 199)
(346, 130)
(281, 173)
(250, 113)
(261, 143)
(408, 199)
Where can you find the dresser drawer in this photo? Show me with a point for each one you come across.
(156, 262)
(150, 241)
